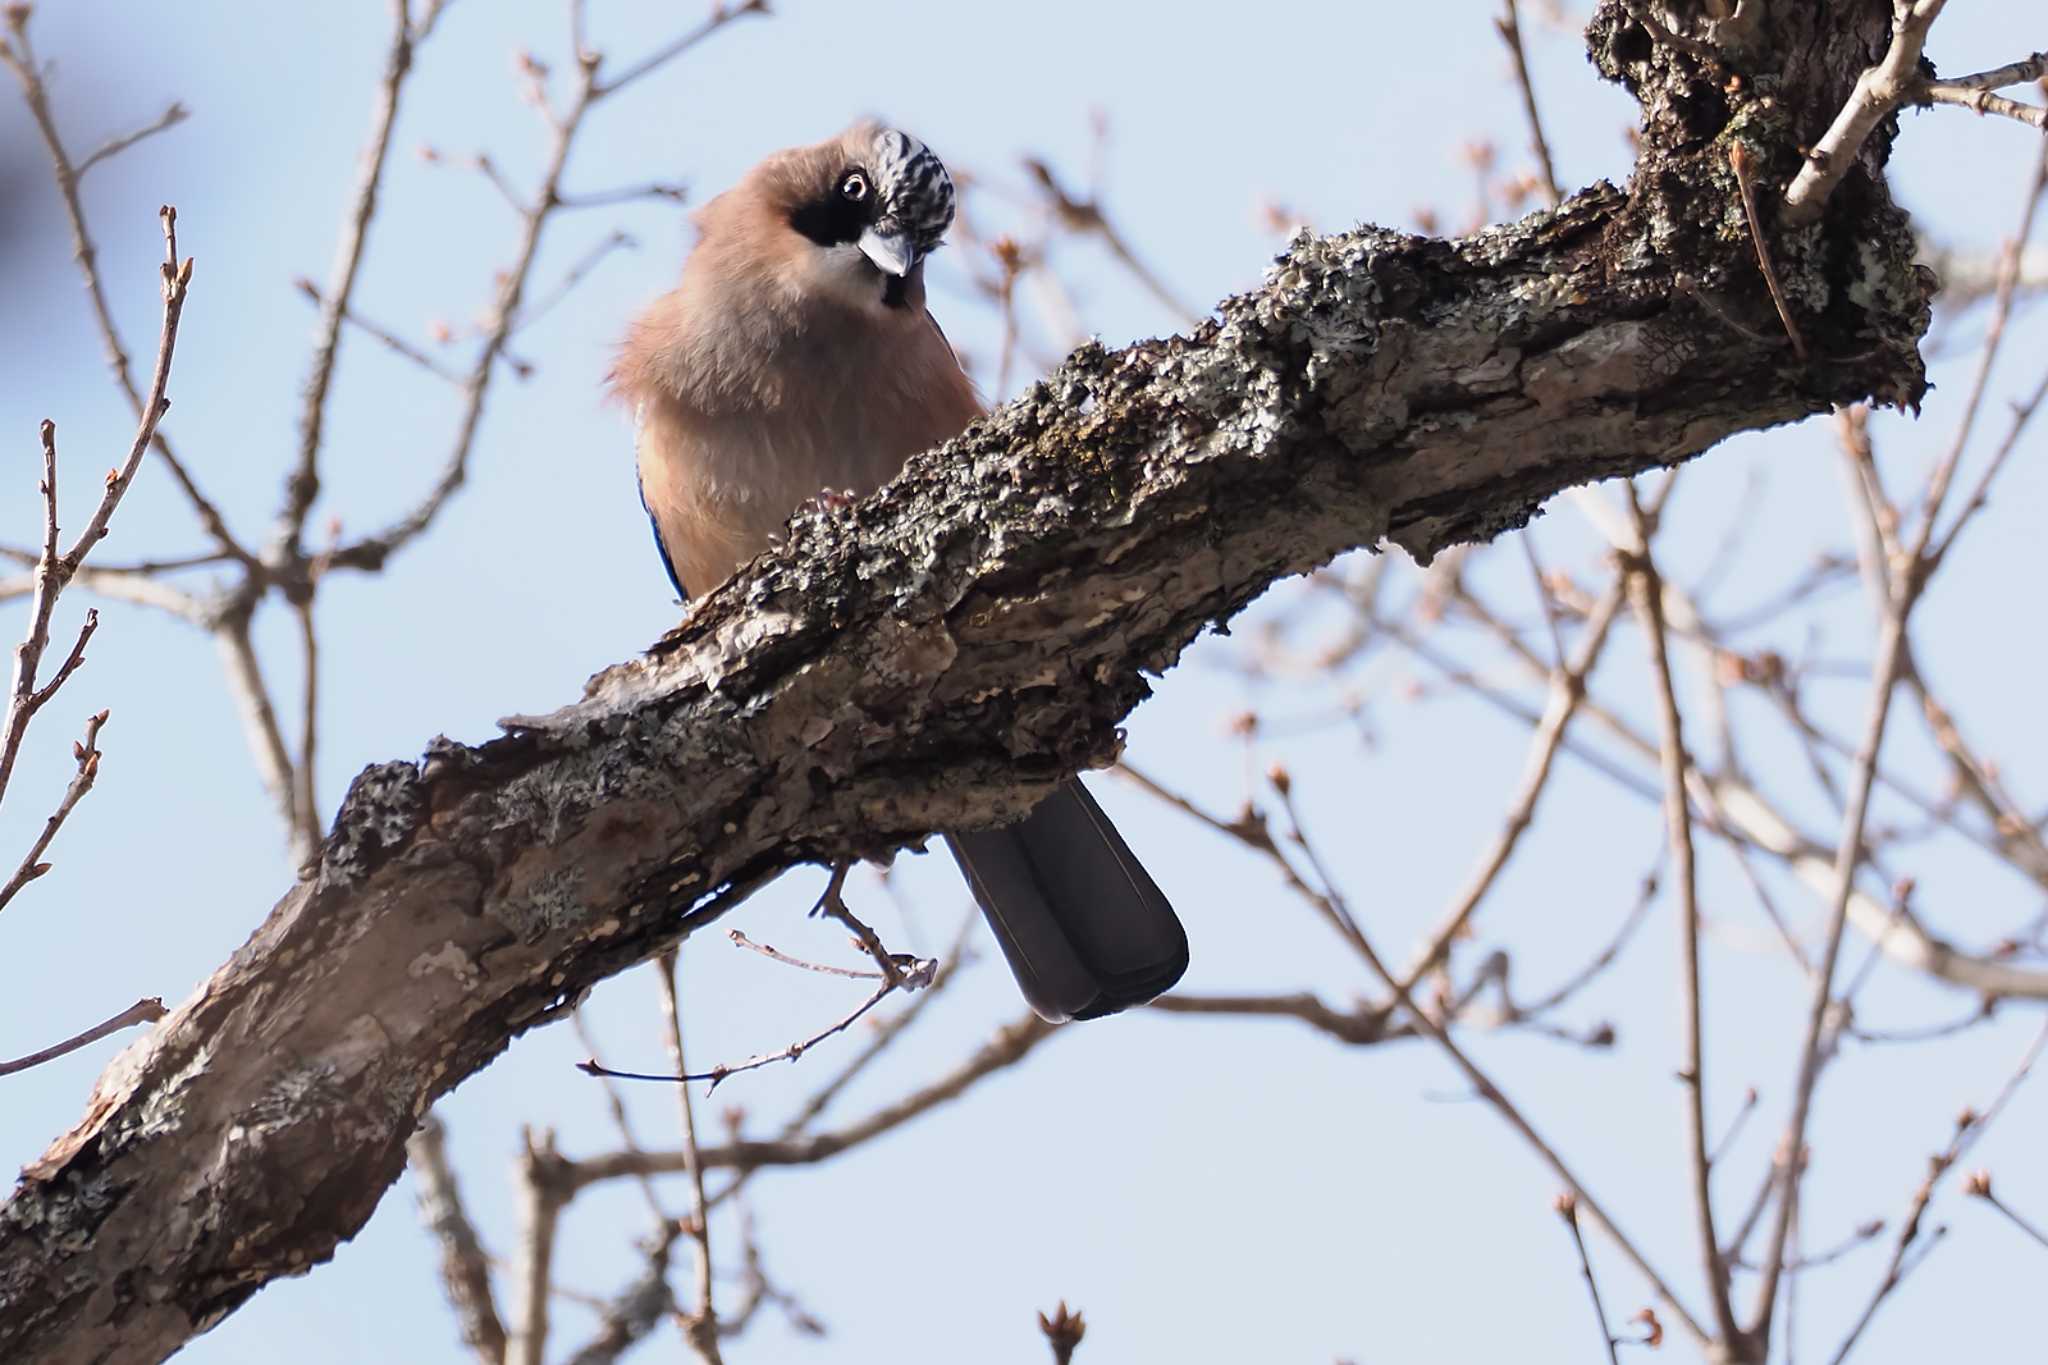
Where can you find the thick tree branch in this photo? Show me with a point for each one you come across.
(939, 656)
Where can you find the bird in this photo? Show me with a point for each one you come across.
(796, 362)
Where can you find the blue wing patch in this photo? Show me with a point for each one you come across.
(682, 595)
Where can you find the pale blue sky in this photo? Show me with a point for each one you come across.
(1205, 1191)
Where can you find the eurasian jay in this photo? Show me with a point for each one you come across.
(796, 358)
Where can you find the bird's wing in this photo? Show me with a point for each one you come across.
(653, 522)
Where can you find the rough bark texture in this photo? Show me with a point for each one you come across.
(942, 653)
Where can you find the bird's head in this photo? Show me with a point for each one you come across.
(867, 207)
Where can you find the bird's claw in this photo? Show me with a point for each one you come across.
(828, 502)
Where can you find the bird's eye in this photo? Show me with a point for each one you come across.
(854, 187)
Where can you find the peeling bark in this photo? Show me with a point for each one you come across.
(944, 652)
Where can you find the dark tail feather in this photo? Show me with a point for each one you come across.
(1085, 929)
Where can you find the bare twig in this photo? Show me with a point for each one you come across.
(1979, 1185)
(1735, 1127)
(1970, 1125)
(1745, 182)
(1649, 599)
(720, 16)
(1086, 218)
(1404, 1000)
(28, 73)
(1510, 29)
(1994, 340)
(306, 797)
(171, 117)
(1009, 1046)
(2023, 412)
(53, 571)
(636, 1311)
(1567, 1206)
(371, 552)
(2033, 68)
(700, 1326)
(87, 753)
(542, 1194)
(146, 1011)
(1848, 857)
(664, 190)
(1879, 90)
(251, 694)
(1567, 691)
(740, 940)
(1984, 102)
(390, 339)
(615, 241)
(465, 1269)
(303, 485)
(908, 980)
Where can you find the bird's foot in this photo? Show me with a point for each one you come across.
(827, 501)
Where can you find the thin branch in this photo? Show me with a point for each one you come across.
(1567, 691)
(1858, 1237)
(303, 486)
(370, 553)
(1507, 1109)
(265, 736)
(717, 1074)
(88, 755)
(177, 278)
(1649, 595)
(1567, 1205)
(1879, 90)
(26, 71)
(1735, 1127)
(1970, 1125)
(1979, 1185)
(140, 568)
(885, 1032)
(112, 147)
(662, 56)
(1745, 183)
(122, 586)
(1357, 1027)
(577, 273)
(616, 1102)
(1510, 29)
(701, 1326)
(1009, 1046)
(1848, 857)
(465, 1269)
(542, 1193)
(2023, 412)
(488, 169)
(145, 1011)
(306, 794)
(773, 954)
(637, 1310)
(1086, 218)
(390, 339)
(54, 572)
(1982, 102)
(2033, 68)
(1994, 340)
(664, 190)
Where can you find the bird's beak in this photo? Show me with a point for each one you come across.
(890, 251)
